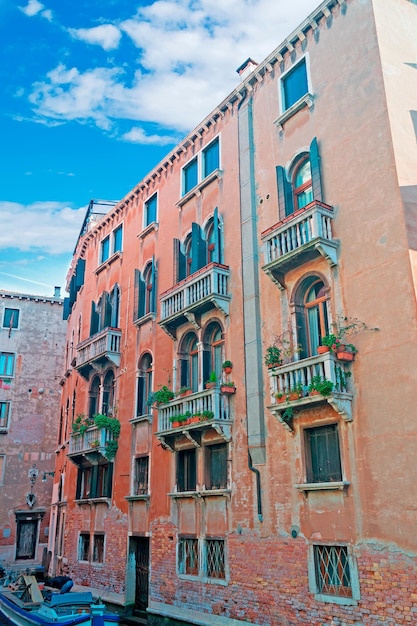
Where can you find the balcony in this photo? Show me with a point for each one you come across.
(91, 444)
(207, 400)
(297, 239)
(99, 350)
(193, 296)
(286, 377)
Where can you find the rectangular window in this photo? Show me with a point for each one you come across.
(332, 571)
(151, 206)
(216, 466)
(98, 548)
(141, 475)
(188, 562)
(2, 468)
(105, 250)
(190, 175)
(294, 84)
(83, 491)
(4, 414)
(323, 454)
(215, 558)
(186, 470)
(211, 158)
(84, 547)
(118, 239)
(6, 364)
(11, 318)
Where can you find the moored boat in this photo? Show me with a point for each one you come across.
(24, 604)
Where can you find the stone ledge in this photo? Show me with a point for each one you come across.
(193, 617)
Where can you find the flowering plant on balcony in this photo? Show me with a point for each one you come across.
(331, 341)
(81, 424)
(162, 396)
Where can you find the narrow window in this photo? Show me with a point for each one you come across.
(186, 470)
(215, 558)
(11, 318)
(105, 249)
(216, 466)
(323, 462)
(2, 468)
(84, 547)
(190, 175)
(151, 206)
(141, 475)
(107, 404)
(302, 184)
(4, 415)
(332, 571)
(211, 158)
(144, 385)
(294, 84)
(188, 561)
(6, 364)
(118, 239)
(98, 548)
(311, 315)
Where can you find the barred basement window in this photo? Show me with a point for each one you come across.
(188, 561)
(215, 558)
(84, 547)
(98, 548)
(332, 571)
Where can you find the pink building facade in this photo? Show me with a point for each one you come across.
(283, 492)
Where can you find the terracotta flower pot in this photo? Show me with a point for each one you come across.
(322, 349)
(227, 370)
(294, 395)
(227, 389)
(345, 356)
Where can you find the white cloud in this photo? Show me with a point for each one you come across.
(106, 35)
(138, 135)
(32, 8)
(48, 227)
(187, 55)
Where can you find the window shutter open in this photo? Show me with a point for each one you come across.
(94, 320)
(198, 248)
(140, 300)
(216, 236)
(79, 274)
(285, 202)
(179, 262)
(153, 282)
(315, 170)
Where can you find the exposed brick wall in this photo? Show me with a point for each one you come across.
(268, 584)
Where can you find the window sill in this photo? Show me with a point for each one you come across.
(91, 501)
(203, 493)
(141, 418)
(149, 317)
(4, 431)
(321, 597)
(148, 229)
(195, 191)
(108, 262)
(306, 101)
(330, 486)
(143, 497)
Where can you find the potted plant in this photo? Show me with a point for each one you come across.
(319, 385)
(328, 342)
(295, 392)
(228, 387)
(212, 381)
(162, 396)
(227, 367)
(273, 357)
(207, 415)
(185, 391)
(347, 353)
(280, 396)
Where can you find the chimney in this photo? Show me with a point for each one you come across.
(246, 68)
(57, 292)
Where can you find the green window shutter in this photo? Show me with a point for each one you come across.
(94, 320)
(79, 274)
(140, 301)
(198, 248)
(67, 309)
(216, 236)
(315, 170)
(285, 201)
(179, 262)
(153, 281)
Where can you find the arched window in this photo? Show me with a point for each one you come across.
(148, 279)
(302, 184)
(144, 385)
(311, 315)
(214, 252)
(213, 351)
(189, 362)
(107, 403)
(93, 406)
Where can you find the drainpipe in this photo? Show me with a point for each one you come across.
(258, 486)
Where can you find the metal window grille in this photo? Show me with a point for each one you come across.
(142, 468)
(215, 558)
(188, 561)
(332, 570)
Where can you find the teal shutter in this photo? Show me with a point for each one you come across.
(179, 262)
(285, 201)
(198, 248)
(139, 305)
(153, 282)
(217, 256)
(315, 170)
(94, 320)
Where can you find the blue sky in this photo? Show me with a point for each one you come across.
(94, 94)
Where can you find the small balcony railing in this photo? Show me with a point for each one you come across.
(300, 373)
(203, 290)
(209, 400)
(93, 440)
(98, 349)
(299, 238)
